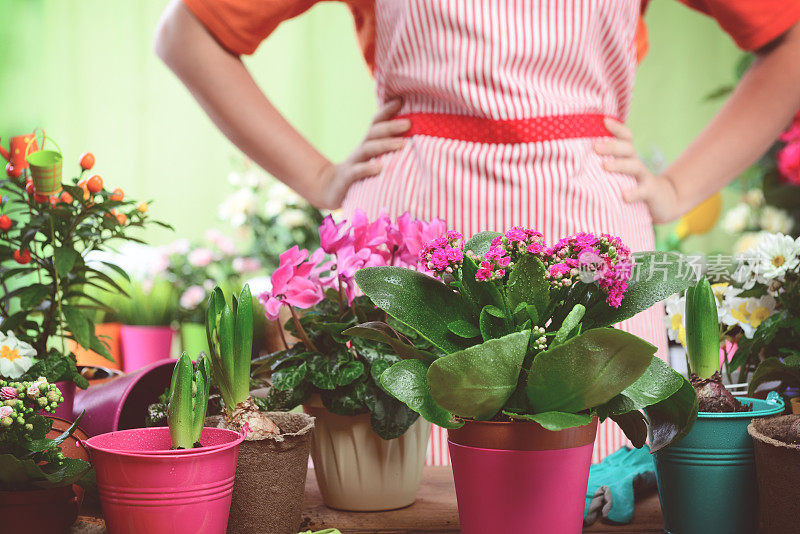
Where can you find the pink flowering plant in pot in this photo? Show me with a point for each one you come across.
(341, 353)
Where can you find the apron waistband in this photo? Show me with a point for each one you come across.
(506, 131)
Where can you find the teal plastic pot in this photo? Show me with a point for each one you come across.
(707, 480)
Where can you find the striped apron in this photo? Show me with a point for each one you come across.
(505, 98)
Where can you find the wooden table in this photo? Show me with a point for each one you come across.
(434, 512)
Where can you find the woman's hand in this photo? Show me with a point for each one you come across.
(382, 138)
(658, 192)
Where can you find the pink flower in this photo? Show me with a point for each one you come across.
(788, 160)
(6, 411)
(221, 241)
(246, 265)
(292, 283)
(333, 236)
(8, 393)
(200, 257)
(192, 297)
(559, 269)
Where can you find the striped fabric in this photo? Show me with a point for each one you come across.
(507, 60)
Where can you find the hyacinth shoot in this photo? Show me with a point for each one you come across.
(188, 401)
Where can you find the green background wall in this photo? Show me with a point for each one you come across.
(85, 71)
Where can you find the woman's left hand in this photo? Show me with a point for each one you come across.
(657, 192)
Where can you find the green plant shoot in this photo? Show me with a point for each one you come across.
(188, 401)
(230, 338)
(702, 329)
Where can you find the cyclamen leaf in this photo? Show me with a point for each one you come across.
(349, 372)
(289, 377)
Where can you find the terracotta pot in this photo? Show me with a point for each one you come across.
(143, 345)
(108, 332)
(359, 471)
(271, 478)
(778, 474)
(43, 510)
(122, 403)
(519, 477)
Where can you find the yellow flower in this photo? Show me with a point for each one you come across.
(677, 326)
(8, 353)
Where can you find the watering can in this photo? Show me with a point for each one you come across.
(16, 150)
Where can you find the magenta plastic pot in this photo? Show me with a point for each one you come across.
(64, 410)
(519, 477)
(122, 403)
(142, 491)
(143, 345)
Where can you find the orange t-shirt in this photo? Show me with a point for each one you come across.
(241, 25)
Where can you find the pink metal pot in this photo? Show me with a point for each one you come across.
(67, 389)
(519, 477)
(122, 402)
(146, 488)
(143, 345)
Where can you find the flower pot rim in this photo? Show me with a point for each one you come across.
(758, 435)
(520, 435)
(163, 453)
(772, 406)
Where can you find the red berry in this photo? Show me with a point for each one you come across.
(117, 194)
(29, 187)
(12, 171)
(22, 256)
(94, 184)
(87, 161)
(40, 199)
(5, 223)
(66, 198)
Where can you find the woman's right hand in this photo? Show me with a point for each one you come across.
(383, 137)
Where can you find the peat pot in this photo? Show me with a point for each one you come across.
(707, 480)
(519, 477)
(359, 471)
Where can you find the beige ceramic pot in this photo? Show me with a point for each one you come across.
(360, 472)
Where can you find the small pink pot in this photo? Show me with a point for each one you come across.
(519, 477)
(67, 389)
(143, 345)
(145, 488)
(122, 403)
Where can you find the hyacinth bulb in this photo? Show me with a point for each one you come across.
(702, 330)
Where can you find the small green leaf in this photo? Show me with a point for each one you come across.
(464, 329)
(554, 421)
(382, 332)
(78, 324)
(672, 418)
(64, 258)
(407, 382)
(491, 326)
(349, 372)
(570, 323)
(476, 382)
(634, 425)
(527, 283)
(480, 243)
(289, 377)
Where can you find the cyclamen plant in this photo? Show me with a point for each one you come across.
(335, 358)
(28, 459)
(522, 330)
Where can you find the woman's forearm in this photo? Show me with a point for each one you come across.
(761, 106)
(224, 88)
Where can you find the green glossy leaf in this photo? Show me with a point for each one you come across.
(527, 283)
(480, 293)
(773, 369)
(657, 383)
(389, 418)
(672, 418)
(407, 382)
(570, 323)
(378, 367)
(349, 372)
(464, 329)
(243, 343)
(634, 425)
(587, 371)
(179, 413)
(289, 377)
(348, 400)
(476, 382)
(480, 243)
(491, 326)
(78, 324)
(64, 259)
(417, 300)
(656, 276)
(554, 420)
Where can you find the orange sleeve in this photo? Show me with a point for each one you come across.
(752, 23)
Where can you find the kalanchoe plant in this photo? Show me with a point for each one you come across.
(703, 346)
(335, 358)
(525, 329)
(49, 290)
(28, 459)
(230, 338)
(188, 401)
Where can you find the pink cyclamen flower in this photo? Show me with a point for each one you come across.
(333, 236)
(6, 411)
(8, 393)
(788, 160)
(292, 283)
(200, 257)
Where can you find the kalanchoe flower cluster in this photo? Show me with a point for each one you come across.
(21, 400)
(505, 250)
(539, 338)
(444, 254)
(603, 259)
(301, 279)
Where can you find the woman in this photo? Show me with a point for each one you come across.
(496, 113)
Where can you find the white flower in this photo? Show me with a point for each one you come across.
(292, 218)
(674, 320)
(747, 242)
(192, 297)
(33, 391)
(179, 246)
(738, 219)
(237, 206)
(724, 294)
(754, 198)
(777, 254)
(775, 220)
(749, 313)
(16, 356)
